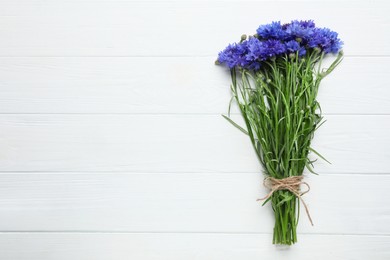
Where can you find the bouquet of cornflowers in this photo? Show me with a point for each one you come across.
(275, 76)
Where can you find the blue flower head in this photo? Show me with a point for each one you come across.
(302, 30)
(275, 40)
(244, 55)
(307, 24)
(293, 46)
(273, 30)
(326, 40)
(232, 55)
(255, 49)
(272, 48)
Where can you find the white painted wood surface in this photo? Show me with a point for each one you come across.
(184, 202)
(175, 28)
(175, 143)
(179, 85)
(112, 145)
(81, 246)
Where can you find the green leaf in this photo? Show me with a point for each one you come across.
(236, 125)
(319, 155)
(265, 202)
(230, 105)
(310, 169)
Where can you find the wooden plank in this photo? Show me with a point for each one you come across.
(173, 85)
(187, 246)
(175, 143)
(195, 202)
(121, 28)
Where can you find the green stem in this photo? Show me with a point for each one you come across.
(285, 230)
(279, 107)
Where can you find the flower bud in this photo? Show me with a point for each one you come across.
(291, 56)
(317, 49)
(268, 81)
(298, 39)
(243, 37)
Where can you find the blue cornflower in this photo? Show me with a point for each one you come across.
(293, 46)
(232, 55)
(255, 49)
(273, 30)
(307, 24)
(326, 40)
(272, 48)
(302, 30)
(274, 39)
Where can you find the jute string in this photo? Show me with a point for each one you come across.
(290, 183)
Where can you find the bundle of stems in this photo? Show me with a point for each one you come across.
(281, 113)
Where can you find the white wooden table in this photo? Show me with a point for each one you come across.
(112, 145)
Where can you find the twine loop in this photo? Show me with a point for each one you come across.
(291, 184)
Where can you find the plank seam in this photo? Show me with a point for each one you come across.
(183, 232)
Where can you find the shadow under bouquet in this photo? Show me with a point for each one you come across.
(275, 76)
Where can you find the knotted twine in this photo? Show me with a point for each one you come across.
(291, 184)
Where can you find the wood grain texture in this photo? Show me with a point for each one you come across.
(42, 246)
(167, 202)
(120, 28)
(112, 146)
(173, 85)
(175, 143)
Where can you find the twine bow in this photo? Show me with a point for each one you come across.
(291, 184)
